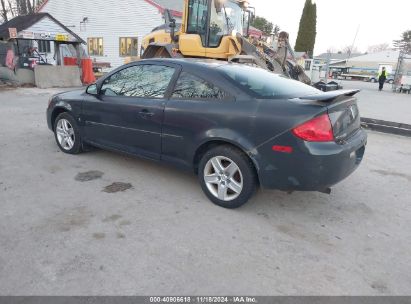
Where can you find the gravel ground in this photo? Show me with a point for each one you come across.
(105, 224)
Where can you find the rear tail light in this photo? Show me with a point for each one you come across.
(318, 129)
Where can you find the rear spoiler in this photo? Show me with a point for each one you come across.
(330, 96)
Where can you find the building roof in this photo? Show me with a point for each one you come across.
(384, 56)
(24, 22)
(175, 6)
(255, 31)
(336, 56)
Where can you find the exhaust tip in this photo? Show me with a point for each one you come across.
(326, 191)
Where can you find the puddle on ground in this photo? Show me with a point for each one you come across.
(392, 173)
(99, 236)
(125, 223)
(117, 187)
(112, 218)
(88, 176)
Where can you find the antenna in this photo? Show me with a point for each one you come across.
(352, 47)
(353, 43)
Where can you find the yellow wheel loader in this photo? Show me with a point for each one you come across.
(218, 29)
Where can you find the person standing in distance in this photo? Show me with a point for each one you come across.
(382, 77)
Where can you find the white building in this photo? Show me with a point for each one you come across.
(371, 63)
(113, 29)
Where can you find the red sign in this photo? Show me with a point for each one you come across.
(12, 32)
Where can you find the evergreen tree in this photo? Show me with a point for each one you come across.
(404, 44)
(308, 29)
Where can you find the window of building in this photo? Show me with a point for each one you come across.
(128, 46)
(191, 87)
(308, 65)
(43, 46)
(95, 46)
(149, 81)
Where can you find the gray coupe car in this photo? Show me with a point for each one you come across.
(237, 127)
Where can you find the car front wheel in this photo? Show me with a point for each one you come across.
(227, 176)
(67, 134)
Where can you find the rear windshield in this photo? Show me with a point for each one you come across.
(264, 84)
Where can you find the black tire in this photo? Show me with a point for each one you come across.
(247, 173)
(77, 146)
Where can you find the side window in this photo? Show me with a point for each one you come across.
(197, 18)
(150, 81)
(191, 87)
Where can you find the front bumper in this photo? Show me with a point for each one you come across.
(311, 166)
(48, 117)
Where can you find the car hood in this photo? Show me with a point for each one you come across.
(71, 94)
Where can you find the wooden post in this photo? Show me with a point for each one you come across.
(78, 53)
(18, 49)
(77, 46)
(57, 52)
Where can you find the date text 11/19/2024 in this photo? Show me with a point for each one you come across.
(203, 299)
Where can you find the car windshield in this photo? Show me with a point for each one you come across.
(264, 84)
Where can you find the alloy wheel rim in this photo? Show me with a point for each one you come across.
(65, 134)
(223, 178)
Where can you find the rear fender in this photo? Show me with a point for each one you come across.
(230, 137)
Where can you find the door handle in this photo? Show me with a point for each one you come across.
(146, 113)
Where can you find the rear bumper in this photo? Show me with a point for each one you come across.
(311, 166)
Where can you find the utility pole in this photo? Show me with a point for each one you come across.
(327, 67)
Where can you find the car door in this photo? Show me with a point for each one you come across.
(127, 113)
(196, 109)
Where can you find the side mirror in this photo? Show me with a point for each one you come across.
(92, 89)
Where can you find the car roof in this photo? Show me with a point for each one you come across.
(206, 69)
(191, 62)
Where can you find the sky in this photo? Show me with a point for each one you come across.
(378, 21)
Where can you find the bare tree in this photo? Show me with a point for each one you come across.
(30, 7)
(21, 7)
(378, 48)
(331, 50)
(349, 49)
(276, 30)
(3, 11)
(13, 8)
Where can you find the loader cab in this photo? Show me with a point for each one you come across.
(211, 27)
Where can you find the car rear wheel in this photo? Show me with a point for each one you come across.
(67, 134)
(227, 177)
